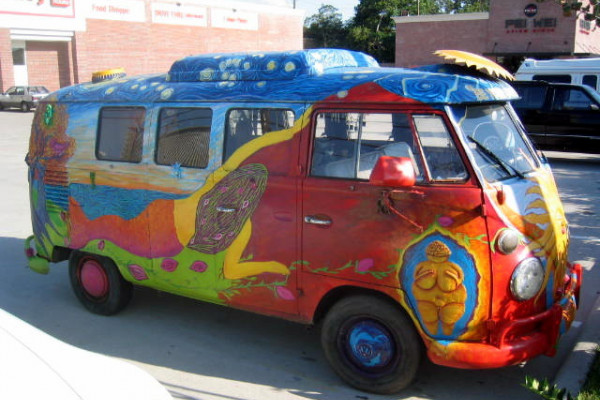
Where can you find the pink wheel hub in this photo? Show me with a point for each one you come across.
(94, 279)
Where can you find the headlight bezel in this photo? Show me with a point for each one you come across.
(527, 279)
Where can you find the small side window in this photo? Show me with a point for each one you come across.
(120, 134)
(244, 125)
(570, 99)
(183, 137)
(590, 80)
(443, 160)
(553, 78)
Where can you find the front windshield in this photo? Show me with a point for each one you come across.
(498, 148)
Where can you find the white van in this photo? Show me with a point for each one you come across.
(582, 71)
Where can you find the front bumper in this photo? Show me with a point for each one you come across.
(515, 341)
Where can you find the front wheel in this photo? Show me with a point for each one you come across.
(371, 344)
(98, 284)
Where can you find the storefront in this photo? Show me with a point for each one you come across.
(56, 43)
(511, 31)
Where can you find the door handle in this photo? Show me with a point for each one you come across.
(311, 219)
(226, 209)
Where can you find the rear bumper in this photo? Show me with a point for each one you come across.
(518, 340)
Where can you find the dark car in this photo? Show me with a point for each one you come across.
(560, 116)
(22, 97)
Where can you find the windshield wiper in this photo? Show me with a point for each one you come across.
(506, 167)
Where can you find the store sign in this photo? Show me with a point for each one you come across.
(174, 14)
(233, 19)
(122, 10)
(47, 8)
(536, 25)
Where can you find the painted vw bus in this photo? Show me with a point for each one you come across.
(403, 210)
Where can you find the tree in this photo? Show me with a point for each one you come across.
(591, 11)
(463, 6)
(325, 28)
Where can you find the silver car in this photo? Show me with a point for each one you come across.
(22, 97)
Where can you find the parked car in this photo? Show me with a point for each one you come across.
(23, 97)
(35, 365)
(560, 116)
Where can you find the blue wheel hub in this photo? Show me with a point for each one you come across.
(369, 345)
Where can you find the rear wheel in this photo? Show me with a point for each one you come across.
(25, 106)
(371, 344)
(98, 284)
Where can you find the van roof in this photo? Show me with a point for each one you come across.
(307, 75)
(572, 64)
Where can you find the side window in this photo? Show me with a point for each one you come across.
(120, 134)
(590, 80)
(347, 145)
(443, 160)
(532, 97)
(570, 99)
(183, 137)
(553, 78)
(246, 124)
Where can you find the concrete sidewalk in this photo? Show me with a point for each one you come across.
(572, 374)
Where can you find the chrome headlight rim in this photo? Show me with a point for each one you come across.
(527, 279)
(508, 240)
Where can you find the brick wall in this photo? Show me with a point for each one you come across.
(514, 32)
(145, 47)
(6, 66)
(416, 41)
(48, 64)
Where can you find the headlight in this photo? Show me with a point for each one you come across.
(527, 279)
(508, 240)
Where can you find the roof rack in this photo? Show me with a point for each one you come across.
(265, 66)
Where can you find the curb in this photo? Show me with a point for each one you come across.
(573, 373)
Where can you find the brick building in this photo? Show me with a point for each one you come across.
(511, 31)
(57, 43)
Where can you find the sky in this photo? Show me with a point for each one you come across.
(311, 7)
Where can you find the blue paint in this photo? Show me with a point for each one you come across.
(316, 74)
(97, 201)
(370, 344)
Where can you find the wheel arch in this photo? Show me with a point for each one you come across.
(341, 292)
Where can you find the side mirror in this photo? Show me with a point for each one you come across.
(393, 171)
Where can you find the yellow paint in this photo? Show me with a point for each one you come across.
(233, 269)
(185, 209)
(439, 289)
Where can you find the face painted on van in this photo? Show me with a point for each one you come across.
(399, 206)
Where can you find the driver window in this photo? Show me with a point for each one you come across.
(443, 160)
(348, 145)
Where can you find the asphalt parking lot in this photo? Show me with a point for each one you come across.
(203, 351)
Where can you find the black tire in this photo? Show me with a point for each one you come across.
(25, 107)
(363, 330)
(98, 284)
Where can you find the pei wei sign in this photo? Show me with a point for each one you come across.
(530, 24)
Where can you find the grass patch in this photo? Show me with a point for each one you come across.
(591, 388)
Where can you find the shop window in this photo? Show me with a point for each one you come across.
(244, 125)
(120, 134)
(184, 137)
(18, 56)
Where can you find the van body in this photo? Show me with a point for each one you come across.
(401, 209)
(580, 71)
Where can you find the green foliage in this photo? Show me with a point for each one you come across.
(591, 12)
(326, 28)
(546, 390)
(591, 388)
